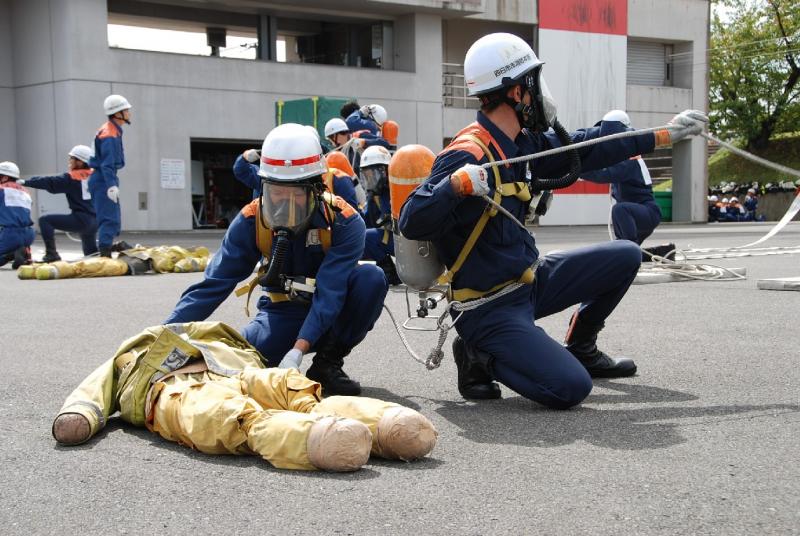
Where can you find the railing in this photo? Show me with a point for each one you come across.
(454, 89)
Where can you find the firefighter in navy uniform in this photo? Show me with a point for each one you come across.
(485, 251)
(379, 244)
(318, 298)
(16, 227)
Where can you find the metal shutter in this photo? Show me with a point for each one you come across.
(647, 64)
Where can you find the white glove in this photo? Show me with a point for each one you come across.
(472, 180)
(687, 123)
(292, 359)
(113, 193)
(251, 155)
(21, 182)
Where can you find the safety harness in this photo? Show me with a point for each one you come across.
(519, 190)
(264, 239)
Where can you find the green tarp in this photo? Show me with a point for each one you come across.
(315, 111)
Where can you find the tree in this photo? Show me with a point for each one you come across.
(754, 64)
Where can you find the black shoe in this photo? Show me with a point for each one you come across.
(582, 343)
(333, 379)
(389, 270)
(9, 257)
(475, 382)
(120, 246)
(51, 256)
(105, 252)
(667, 251)
(22, 256)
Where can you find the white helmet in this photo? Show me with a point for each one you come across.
(724, 199)
(82, 153)
(619, 116)
(115, 103)
(376, 112)
(291, 153)
(734, 199)
(335, 126)
(497, 60)
(374, 155)
(9, 169)
(713, 198)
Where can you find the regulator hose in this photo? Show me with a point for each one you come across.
(273, 276)
(539, 185)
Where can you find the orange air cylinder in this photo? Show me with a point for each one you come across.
(338, 160)
(409, 168)
(389, 131)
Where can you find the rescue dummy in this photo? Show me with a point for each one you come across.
(379, 243)
(317, 298)
(74, 184)
(108, 159)
(485, 252)
(134, 261)
(202, 385)
(16, 227)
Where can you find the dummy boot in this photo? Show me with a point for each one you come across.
(50, 253)
(22, 256)
(475, 381)
(390, 271)
(666, 250)
(326, 368)
(582, 343)
(136, 266)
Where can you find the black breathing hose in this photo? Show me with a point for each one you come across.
(273, 276)
(540, 185)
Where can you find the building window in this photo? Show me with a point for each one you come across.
(650, 63)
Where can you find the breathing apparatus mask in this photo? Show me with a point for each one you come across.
(375, 178)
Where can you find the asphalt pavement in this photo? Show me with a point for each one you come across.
(704, 440)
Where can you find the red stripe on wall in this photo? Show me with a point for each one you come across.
(584, 187)
(592, 16)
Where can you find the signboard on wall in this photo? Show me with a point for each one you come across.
(173, 174)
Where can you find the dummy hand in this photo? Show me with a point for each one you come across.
(470, 180)
(113, 193)
(251, 155)
(292, 359)
(687, 123)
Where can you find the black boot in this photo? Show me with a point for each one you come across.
(475, 382)
(582, 343)
(22, 256)
(136, 266)
(326, 368)
(667, 251)
(50, 253)
(105, 251)
(390, 271)
(121, 245)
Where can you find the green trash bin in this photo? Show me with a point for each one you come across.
(664, 202)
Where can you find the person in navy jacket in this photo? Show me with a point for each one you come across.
(108, 158)
(317, 297)
(74, 184)
(500, 339)
(16, 227)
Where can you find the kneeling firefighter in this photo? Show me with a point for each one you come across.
(202, 385)
(317, 297)
(379, 244)
(494, 268)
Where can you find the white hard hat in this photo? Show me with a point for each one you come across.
(736, 199)
(9, 169)
(291, 153)
(115, 103)
(376, 112)
(713, 198)
(724, 199)
(751, 191)
(497, 60)
(314, 130)
(335, 126)
(82, 153)
(618, 115)
(372, 156)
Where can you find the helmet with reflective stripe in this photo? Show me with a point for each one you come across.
(115, 103)
(335, 126)
(618, 115)
(82, 153)
(497, 60)
(376, 112)
(291, 153)
(372, 156)
(9, 169)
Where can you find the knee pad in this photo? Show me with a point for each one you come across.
(71, 429)
(338, 444)
(405, 434)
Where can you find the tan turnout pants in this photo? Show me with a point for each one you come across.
(268, 412)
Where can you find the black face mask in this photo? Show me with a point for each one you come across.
(540, 115)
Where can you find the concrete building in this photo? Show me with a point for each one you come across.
(194, 113)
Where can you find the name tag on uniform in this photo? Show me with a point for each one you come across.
(85, 190)
(312, 238)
